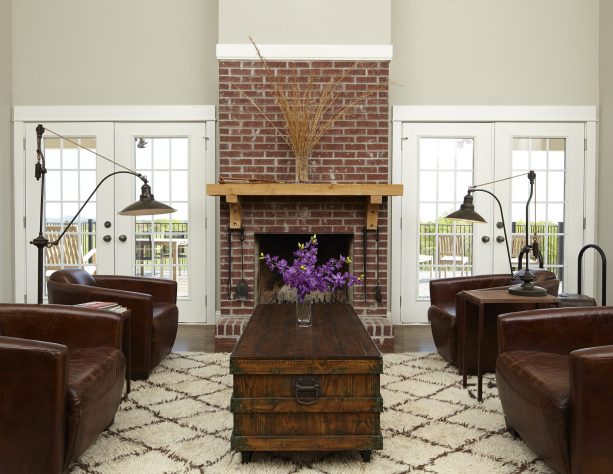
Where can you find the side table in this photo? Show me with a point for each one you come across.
(498, 296)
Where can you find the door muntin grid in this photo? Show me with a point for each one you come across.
(445, 247)
(161, 242)
(547, 157)
(70, 178)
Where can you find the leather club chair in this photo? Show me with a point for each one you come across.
(555, 381)
(61, 379)
(154, 318)
(446, 315)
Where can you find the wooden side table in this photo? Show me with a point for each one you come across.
(499, 296)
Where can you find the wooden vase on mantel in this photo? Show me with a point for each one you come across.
(302, 168)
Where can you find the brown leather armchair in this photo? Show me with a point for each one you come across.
(61, 377)
(446, 315)
(154, 318)
(555, 381)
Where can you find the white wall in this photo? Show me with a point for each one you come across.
(6, 167)
(305, 22)
(605, 163)
(502, 52)
(114, 52)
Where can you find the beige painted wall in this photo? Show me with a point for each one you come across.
(483, 52)
(605, 163)
(115, 52)
(6, 167)
(306, 22)
(503, 52)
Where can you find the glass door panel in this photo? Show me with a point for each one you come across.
(445, 173)
(71, 179)
(161, 242)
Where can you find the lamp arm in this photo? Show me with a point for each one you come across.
(504, 226)
(57, 241)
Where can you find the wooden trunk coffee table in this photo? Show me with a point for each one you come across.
(306, 389)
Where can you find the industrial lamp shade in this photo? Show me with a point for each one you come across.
(467, 211)
(146, 205)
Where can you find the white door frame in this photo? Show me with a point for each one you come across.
(48, 114)
(588, 115)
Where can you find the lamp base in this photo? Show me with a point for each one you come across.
(527, 289)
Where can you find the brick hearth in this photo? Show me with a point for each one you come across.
(355, 150)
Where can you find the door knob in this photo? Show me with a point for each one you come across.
(500, 239)
(107, 224)
(485, 239)
(106, 238)
(122, 238)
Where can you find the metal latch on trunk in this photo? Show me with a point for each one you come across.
(307, 390)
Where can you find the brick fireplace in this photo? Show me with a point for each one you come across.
(354, 150)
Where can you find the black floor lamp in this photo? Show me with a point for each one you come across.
(467, 213)
(146, 205)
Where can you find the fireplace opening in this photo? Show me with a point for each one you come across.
(269, 286)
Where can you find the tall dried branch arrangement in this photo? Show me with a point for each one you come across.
(308, 108)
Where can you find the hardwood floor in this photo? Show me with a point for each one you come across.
(199, 338)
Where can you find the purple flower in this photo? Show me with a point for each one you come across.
(306, 276)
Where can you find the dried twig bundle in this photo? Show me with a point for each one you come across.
(309, 109)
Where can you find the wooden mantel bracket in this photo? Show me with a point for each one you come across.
(372, 212)
(373, 192)
(235, 211)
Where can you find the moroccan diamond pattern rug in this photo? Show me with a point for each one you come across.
(179, 421)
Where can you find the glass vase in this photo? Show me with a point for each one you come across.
(303, 314)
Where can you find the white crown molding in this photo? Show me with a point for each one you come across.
(340, 52)
(461, 113)
(114, 113)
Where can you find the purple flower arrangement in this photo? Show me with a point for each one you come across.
(306, 276)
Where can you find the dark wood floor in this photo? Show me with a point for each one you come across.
(199, 338)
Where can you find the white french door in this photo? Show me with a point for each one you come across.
(555, 152)
(72, 174)
(438, 161)
(178, 159)
(173, 246)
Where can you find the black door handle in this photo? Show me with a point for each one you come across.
(122, 238)
(500, 239)
(106, 238)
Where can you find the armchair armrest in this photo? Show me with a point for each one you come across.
(591, 392)
(34, 377)
(66, 325)
(162, 291)
(556, 330)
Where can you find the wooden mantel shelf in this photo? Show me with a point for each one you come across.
(234, 191)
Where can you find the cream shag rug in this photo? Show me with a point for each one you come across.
(179, 421)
